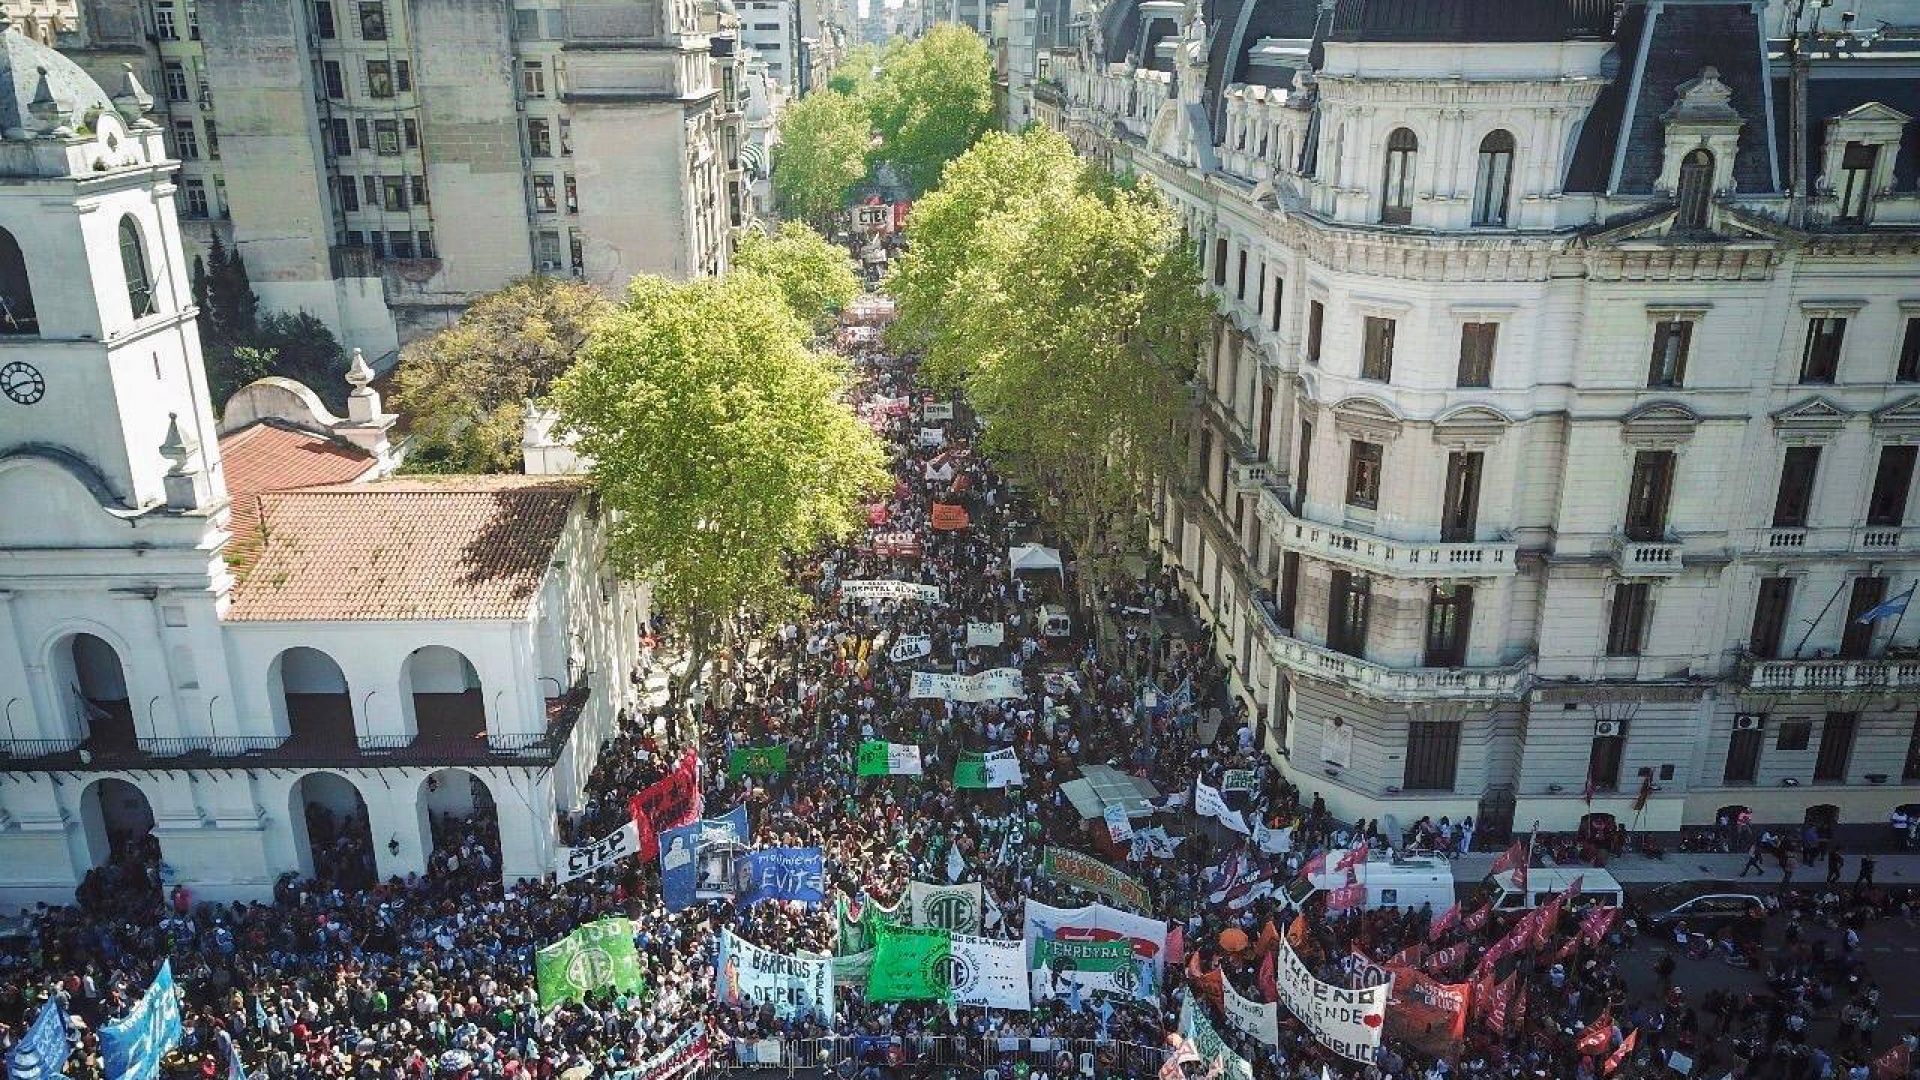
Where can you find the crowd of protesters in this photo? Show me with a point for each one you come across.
(344, 976)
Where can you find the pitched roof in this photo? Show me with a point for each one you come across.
(270, 456)
(456, 547)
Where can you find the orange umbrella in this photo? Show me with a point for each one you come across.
(1233, 939)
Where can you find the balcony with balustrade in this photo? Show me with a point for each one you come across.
(1831, 674)
(1647, 558)
(1388, 683)
(1369, 553)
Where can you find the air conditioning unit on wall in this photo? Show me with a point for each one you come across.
(1605, 728)
(1747, 721)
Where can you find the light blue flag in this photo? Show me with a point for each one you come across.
(134, 1046)
(42, 1052)
(1895, 606)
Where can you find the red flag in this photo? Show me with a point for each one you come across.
(1444, 923)
(1442, 960)
(1894, 1064)
(1497, 1003)
(1297, 931)
(1521, 874)
(1598, 1035)
(1646, 791)
(1566, 950)
(1268, 978)
(1573, 888)
(1473, 923)
(1595, 924)
(1346, 897)
(1548, 922)
(1619, 1056)
(1515, 856)
(1517, 1012)
(1315, 865)
(1408, 957)
(1588, 794)
(1352, 857)
(1176, 944)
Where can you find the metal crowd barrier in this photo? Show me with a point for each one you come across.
(849, 1055)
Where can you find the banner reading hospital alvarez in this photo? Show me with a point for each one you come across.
(1348, 1022)
(991, 685)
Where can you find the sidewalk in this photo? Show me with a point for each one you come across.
(1890, 868)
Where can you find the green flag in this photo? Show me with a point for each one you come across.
(856, 931)
(594, 957)
(757, 761)
(1096, 956)
(881, 758)
(910, 964)
(993, 769)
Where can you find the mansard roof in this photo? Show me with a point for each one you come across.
(1470, 21)
(1835, 97)
(1234, 27)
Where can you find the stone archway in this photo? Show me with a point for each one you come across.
(311, 699)
(332, 833)
(441, 693)
(460, 821)
(90, 682)
(123, 854)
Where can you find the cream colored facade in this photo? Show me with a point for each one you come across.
(1547, 439)
(381, 162)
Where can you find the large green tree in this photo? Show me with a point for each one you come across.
(723, 445)
(999, 172)
(821, 156)
(1071, 321)
(814, 274)
(933, 100)
(464, 388)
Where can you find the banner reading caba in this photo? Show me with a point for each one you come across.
(794, 985)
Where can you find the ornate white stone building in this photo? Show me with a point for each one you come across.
(214, 633)
(1561, 416)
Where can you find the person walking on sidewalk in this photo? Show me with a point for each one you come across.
(1753, 860)
(1835, 861)
(1786, 867)
(1864, 879)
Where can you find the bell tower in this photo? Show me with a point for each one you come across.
(100, 366)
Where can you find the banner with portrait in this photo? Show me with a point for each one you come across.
(748, 975)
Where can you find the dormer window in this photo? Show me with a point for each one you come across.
(1855, 188)
(1694, 190)
(1494, 178)
(1396, 195)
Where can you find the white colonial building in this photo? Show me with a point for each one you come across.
(211, 629)
(1561, 417)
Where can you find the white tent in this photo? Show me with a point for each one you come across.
(1033, 557)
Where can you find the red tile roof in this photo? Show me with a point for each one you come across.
(455, 547)
(269, 457)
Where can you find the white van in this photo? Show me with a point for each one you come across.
(1597, 888)
(1406, 881)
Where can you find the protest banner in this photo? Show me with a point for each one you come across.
(948, 907)
(857, 923)
(1362, 967)
(932, 411)
(1094, 876)
(757, 761)
(993, 769)
(931, 436)
(780, 874)
(1273, 841)
(596, 956)
(994, 684)
(853, 968)
(938, 472)
(42, 1053)
(667, 803)
(1239, 780)
(879, 758)
(911, 647)
(1097, 923)
(1428, 1013)
(897, 545)
(910, 964)
(1348, 1022)
(696, 861)
(1209, 1045)
(1119, 825)
(1207, 800)
(1260, 1019)
(985, 634)
(131, 1047)
(679, 1058)
(573, 862)
(989, 973)
(796, 986)
(889, 589)
(948, 517)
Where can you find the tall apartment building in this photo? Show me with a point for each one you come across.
(771, 28)
(379, 163)
(1556, 444)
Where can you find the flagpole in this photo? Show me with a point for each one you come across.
(1816, 619)
(1891, 637)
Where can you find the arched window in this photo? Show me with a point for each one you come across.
(1695, 189)
(16, 293)
(133, 261)
(1493, 179)
(1396, 196)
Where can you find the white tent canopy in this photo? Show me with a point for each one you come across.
(1033, 557)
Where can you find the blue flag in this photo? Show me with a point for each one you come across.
(1895, 606)
(680, 851)
(235, 1071)
(134, 1046)
(782, 874)
(42, 1052)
